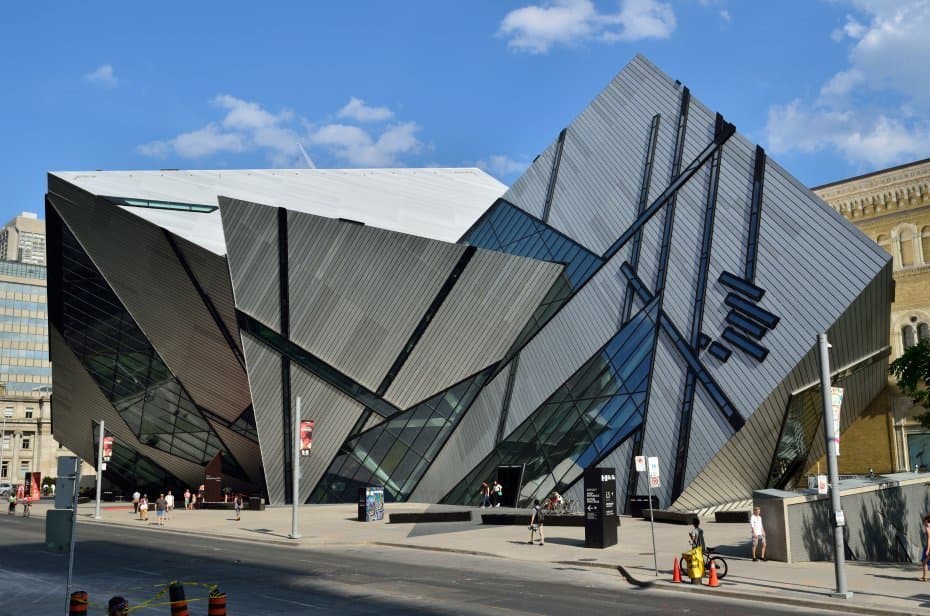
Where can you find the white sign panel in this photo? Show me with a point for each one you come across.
(836, 402)
(655, 482)
(822, 484)
(653, 466)
(640, 463)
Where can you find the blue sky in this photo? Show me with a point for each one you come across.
(830, 88)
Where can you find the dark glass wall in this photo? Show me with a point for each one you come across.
(125, 366)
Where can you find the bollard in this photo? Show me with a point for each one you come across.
(216, 605)
(178, 601)
(78, 606)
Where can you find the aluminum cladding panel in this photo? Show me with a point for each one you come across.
(251, 234)
(264, 369)
(140, 266)
(333, 414)
(357, 293)
(485, 311)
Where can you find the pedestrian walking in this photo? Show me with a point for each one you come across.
(12, 508)
(135, 502)
(187, 499)
(485, 494)
(537, 519)
(169, 505)
(925, 557)
(144, 508)
(237, 504)
(201, 495)
(497, 493)
(193, 502)
(758, 533)
(160, 507)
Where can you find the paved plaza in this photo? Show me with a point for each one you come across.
(878, 587)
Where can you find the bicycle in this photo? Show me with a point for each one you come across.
(719, 564)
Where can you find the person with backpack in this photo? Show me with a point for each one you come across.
(537, 519)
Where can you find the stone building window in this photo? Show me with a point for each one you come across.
(925, 243)
(923, 331)
(885, 242)
(908, 252)
(907, 336)
(5, 469)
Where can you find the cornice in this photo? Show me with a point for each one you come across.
(881, 193)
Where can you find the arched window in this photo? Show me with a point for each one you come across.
(907, 336)
(885, 242)
(907, 247)
(925, 244)
(923, 331)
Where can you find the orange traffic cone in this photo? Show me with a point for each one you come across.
(713, 582)
(676, 573)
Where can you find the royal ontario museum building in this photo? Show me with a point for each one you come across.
(652, 285)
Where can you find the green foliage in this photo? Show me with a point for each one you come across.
(912, 372)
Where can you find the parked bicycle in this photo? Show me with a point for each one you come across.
(719, 564)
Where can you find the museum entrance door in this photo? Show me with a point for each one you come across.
(511, 478)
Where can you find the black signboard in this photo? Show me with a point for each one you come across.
(600, 507)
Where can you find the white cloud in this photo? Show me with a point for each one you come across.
(104, 75)
(357, 147)
(536, 28)
(500, 165)
(725, 15)
(873, 112)
(357, 110)
(247, 126)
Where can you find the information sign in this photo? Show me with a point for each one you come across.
(640, 463)
(655, 482)
(822, 484)
(653, 466)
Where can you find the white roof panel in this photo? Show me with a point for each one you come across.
(438, 204)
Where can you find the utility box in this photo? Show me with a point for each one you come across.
(600, 507)
(58, 530)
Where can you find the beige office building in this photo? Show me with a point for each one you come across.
(23, 240)
(892, 207)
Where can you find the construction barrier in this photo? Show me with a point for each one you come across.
(78, 605)
(178, 602)
(216, 604)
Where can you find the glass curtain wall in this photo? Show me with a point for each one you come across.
(24, 363)
(126, 368)
(396, 452)
(598, 408)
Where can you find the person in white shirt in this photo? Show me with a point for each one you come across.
(758, 532)
(135, 502)
(169, 504)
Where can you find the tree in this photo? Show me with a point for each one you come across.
(912, 371)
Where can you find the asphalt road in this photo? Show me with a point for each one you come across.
(268, 578)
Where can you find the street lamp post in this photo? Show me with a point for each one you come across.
(99, 470)
(295, 475)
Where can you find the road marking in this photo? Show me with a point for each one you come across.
(140, 571)
(292, 602)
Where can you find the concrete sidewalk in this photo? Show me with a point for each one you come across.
(878, 587)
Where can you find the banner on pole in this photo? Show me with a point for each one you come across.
(306, 436)
(640, 463)
(836, 403)
(822, 484)
(107, 448)
(653, 466)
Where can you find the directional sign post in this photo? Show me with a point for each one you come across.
(653, 482)
(600, 507)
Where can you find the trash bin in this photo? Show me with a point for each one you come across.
(256, 503)
(370, 503)
(639, 504)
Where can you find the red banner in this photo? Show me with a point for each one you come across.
(33, 486)
(306, 436)
(107, 448)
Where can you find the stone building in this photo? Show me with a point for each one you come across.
(892, 207)
(23, 240)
